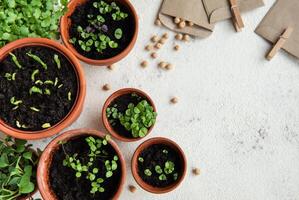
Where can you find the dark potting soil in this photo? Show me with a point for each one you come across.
(52, 108)
(153, 156)
(79, 18)
(64, 182)
(122, 103)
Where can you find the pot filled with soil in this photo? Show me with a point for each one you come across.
(100, 32)
(129, 114)
(18, 164)
(81, 164)
(42, 88)
(159, 165)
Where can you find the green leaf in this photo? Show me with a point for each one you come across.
(118, 33)
(25, 185)
(4, 160)
(27, 155)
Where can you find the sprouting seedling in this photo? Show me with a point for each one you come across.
(140, 159)
(169, 167)
(49, 82)
(39, 82)
(47, 91)
(38, 59)
(118, 33)
(165, 151)
(158, 169)
(34, 109)
(19, 125)
(59, 86)
(56, 81)
(15, 60)
(35, 72)
(147, 172)
(69, 96)
(15, 102)
(46, 125)
(35, 89)
(10, 77)
(162, 177)
(56, 59)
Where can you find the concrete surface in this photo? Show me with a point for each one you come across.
(237, 118)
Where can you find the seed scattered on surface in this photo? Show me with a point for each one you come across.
(174, 100)
(111, 67)
(165, 35)
(132, 188)
(144, 64)
(158, 45)
(186, 38)
(162, 64)
(155, 38)
(154, 55)
(190, 23)
(106, 87)
(176, 47)
(148, 47)
(162, 40)
(158, 22)
(179, 36)
(169, 66)
(176, 20)
(196, 171)
(182, 24)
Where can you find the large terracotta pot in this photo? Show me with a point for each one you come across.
(78, 105)
(66, 22)
(47, 155)
(114, 96)
(148, 143)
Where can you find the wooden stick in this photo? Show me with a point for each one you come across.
(279, 44)
(236, 14)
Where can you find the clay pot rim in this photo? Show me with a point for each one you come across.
(110, 99)
(46, 157)
(64, 25)
(134, 165)
(78, 104)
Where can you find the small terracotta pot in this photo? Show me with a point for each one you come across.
(78, 105)
(45, 160)
(145, 145)
(114, 96)
(66, 23)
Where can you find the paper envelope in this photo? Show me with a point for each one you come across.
(283, 14)
(190, 10)
(218, 10)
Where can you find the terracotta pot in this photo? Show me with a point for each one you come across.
(66, 22)
(44, 164)
(78, 105)
(114, 96)
(134, 165)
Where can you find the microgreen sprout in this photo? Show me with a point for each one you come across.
(57, 61)
(47, 91)
(88, 170)
(38, 59)
(34, 109)
(10, 77)
(59, 86)
(56, 81)
(46, 125)
(15, 102)
(140, 159)
(35, 89)
(69, 96)
(147, 172)
(49, 82)
(15, 60)
(35, 72)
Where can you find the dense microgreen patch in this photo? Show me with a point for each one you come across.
(95, 34)
(17, 169)
(89, 169)
(136, 118)
(34, 18)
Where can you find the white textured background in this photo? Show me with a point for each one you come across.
(237, 118)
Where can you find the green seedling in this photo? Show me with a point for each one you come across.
(57, 61)
(34, 73)
(35, 89)
(38, 59)
(10, 77)
(46, 125)
(15, 60)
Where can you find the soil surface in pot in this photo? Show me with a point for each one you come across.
(158, 155)
(80, 18)
(63, 180)
(121, 103)
(36, 94)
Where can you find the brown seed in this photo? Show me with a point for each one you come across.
(186, 38)
(158, 22)
(132, 188)
(179, 36)
(155, 38)
(144, 64)
(165, 35)
(106, 87)
(182, 24)
(176, 20)
(162, 65)
(189, 23)
(154, 55)
(162, 40)
(169, 66)
(174, 100)
(111, 67)
(148, 47)
(158, 45)
(196, 171)
(176, 47)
